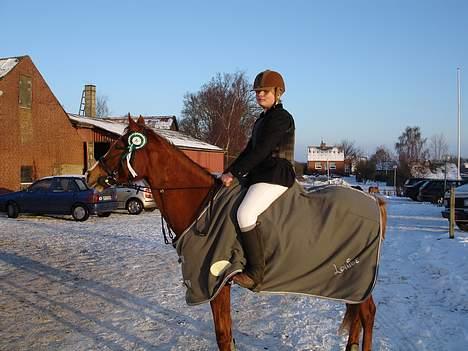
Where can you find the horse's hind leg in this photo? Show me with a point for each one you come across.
(367, 315)
(352, 322)
(221, 310)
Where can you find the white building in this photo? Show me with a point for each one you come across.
(325, 159)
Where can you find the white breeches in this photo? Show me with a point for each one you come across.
(258, 198)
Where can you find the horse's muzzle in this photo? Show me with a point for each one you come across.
(106, 181)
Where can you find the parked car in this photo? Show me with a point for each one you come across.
(412, 190)
(137, 199)
(461, 206)
(433, 190)
(64, 195)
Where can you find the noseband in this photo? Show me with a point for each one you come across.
(110, 179)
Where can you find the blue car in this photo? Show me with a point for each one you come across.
(64, 195)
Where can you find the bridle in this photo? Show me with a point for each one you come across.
(111, 179)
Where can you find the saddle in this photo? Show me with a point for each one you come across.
(324, 242)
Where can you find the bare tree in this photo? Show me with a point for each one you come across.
(410, 146)
(438, 147)
(382, 158)
(221, 113)
(351, 151)
(411, 152)
(102, 109)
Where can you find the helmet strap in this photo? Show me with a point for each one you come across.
(277, 95)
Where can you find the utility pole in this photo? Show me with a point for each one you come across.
(459, 120)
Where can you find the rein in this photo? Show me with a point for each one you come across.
(137, 141)
(169, 237)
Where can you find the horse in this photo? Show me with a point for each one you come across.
(181, 189)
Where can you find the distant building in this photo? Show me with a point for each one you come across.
(324, 159)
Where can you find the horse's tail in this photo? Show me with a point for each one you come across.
(383, 215)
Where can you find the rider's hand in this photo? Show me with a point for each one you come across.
(227, 179)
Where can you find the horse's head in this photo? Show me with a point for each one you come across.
(126, 159)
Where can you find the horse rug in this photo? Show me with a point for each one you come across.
(324, 242)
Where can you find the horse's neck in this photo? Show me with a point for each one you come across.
(180, 188)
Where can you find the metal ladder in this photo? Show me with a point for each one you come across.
(81, 111)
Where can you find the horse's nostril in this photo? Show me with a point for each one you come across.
(110, 181)
(102, 181)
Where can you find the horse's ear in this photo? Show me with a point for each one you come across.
(141, 120)
(131, 122)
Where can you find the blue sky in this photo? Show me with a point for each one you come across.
(356, 70)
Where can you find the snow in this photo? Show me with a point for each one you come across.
(174, 137)
(6, 65)
(112, 284)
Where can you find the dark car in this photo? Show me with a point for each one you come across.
(64, 195)
(412, 190)
(461, 207)
(433, 190)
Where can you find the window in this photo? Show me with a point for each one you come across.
(42, 185)
(318, 165)
(81, 185)
(332, 165)
(25, 91)
(26, 174)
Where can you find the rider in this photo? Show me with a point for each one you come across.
(266, 164)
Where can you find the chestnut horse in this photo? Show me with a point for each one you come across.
(181, 187)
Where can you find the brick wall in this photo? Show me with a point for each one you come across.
(40, 136)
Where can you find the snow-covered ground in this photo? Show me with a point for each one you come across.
(111, 284)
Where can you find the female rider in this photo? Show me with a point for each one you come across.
(266, 166)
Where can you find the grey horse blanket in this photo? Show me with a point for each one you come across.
(325, 243)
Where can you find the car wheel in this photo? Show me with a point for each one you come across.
(80, 213)
(104, 214)
(134, 206)
(463, 226)
(12, 210)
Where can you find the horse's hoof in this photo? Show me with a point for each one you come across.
(353, 347)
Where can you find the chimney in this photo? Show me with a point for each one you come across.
(90, 101)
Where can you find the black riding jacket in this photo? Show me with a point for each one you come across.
(259, 161)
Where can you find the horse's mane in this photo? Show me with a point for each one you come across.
(172, 148)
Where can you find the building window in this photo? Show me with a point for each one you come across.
(318, 165)
(26, 174)
(25, 91)
(332, 165)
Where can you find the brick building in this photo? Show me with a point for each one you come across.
(324, 159)
(39, 138)
(36, 136)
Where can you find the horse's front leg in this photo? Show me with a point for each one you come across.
(221, 309)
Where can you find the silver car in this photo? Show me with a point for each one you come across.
(135, 200)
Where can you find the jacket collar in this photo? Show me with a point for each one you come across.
(274, 107)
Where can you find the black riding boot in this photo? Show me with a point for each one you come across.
(252, 244)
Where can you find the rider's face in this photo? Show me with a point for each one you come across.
(265, 98)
